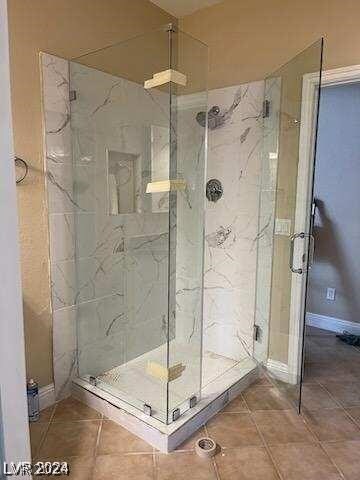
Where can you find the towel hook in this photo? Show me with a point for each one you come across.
(19, 162)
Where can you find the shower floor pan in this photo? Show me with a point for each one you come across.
(223, 379)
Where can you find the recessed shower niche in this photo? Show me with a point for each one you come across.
(123, 178)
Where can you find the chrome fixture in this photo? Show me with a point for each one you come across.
(214, 118)
(193, 401)
(301, 235)
(214, 190)
(176, 414)
(147, 409)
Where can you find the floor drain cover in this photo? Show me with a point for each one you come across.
(205, 447)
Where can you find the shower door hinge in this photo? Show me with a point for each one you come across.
(257, 333)
(192, 401)
(176, 414)
(72, 95)
(266, 109)
(147, 409)
(93, 380)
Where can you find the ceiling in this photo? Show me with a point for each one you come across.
(180, 8)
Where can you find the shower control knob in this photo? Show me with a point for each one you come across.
(214, 111)
(214, 190)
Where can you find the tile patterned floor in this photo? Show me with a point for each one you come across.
(260, 436)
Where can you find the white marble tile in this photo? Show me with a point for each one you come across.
(64, 350)
(63, 284)
(100, 319)
(234, 158)
(62, 234)
(101, 355)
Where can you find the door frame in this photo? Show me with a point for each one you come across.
(15, 443)
(337, 76)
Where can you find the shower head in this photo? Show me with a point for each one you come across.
(214, 118)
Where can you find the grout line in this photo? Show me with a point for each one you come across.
(154, 464)
(57, 422)
(353, 420)
(331, 395)
(98, 437)
(53, 413)
(323, 449)
(92, 474)
(217, 473)
(214, 458)
(313, 432)
(42, 440)
(356, 421)
(266, 446)
(131, 454)
(332, 461)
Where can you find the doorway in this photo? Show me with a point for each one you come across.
(300, 374)
(332, 340)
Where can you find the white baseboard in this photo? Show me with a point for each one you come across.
(332, 324)
(281, 371)
(46, 396)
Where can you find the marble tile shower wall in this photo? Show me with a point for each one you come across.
(91, 321)
(234, 157)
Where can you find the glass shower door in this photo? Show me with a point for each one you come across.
(120, 138)
(138, 167)
(186, 220)
(285, 242)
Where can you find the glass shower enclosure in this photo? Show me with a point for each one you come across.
(139, 168)
(285, 244)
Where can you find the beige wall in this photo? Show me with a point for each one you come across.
(66, 28)
(248, 39)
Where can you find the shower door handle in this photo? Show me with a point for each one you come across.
(311, 251)
(301, 235)
(292, 247)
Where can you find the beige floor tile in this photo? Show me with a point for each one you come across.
(265, 398)
(346, 457)
(116, 439)
(70, 410)
(124, 467)
(237, 405)
(315, 397)
(37, 432)
(338, 353)
(262, 380)
(45, 415)
(331, 371)
(282, 427)
(70, 439)
(245, 463)
(347, 393)
(189, 444)
(233, 430)
(354, 412)
(184, 466)
(332, 424)
(304, 462)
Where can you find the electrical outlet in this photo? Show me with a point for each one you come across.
(330, 293)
